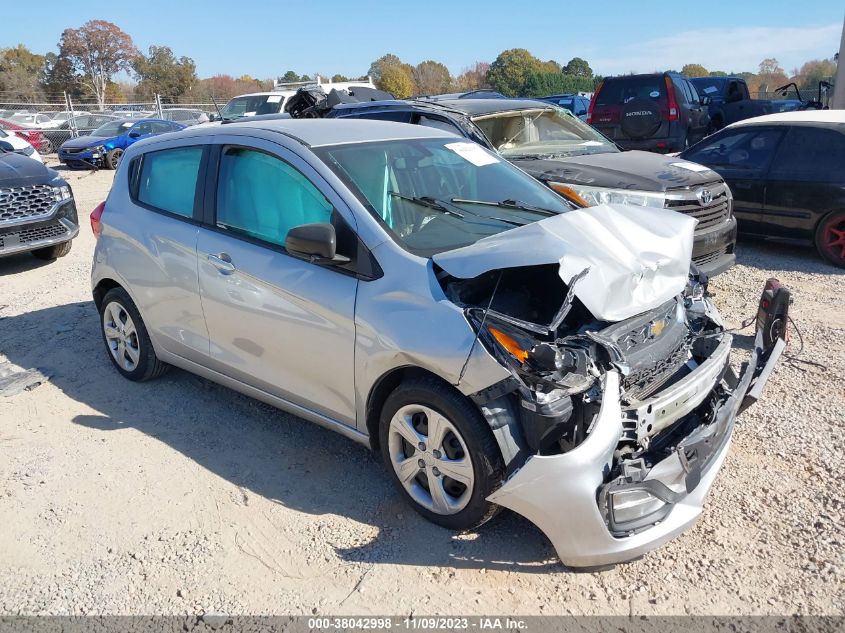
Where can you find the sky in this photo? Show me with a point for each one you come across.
(265, 38)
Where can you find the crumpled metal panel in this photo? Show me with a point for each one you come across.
(638, 257)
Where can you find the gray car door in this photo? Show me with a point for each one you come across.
(278, 323)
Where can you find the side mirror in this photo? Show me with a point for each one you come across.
(316, 242)
(706, 100)
(134, 134)
(6, 147)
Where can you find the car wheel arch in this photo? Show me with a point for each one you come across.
(388, 382)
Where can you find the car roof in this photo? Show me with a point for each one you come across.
(470, 107)
(802, 116)
(319, 132)
(285, 93)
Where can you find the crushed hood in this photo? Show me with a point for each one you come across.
(638, 257)
(638, 170)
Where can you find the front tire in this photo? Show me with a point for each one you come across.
(50, 253)
(113, 158)
(127, 341)
(441, 454)
(830, 238)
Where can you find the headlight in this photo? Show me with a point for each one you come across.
(61, 193)
(627, 506)
(509, 344)
(592, 196)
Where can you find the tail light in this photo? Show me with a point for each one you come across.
(96, 214)
(674, 112)
(593, 103)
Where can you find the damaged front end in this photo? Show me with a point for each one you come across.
(623, 424)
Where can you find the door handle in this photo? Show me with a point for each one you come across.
(222, 262)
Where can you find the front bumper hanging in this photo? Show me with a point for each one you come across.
(566, 495)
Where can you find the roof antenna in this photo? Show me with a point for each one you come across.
(220, 114)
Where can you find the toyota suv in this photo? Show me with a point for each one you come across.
(574, 160)
(419, 294)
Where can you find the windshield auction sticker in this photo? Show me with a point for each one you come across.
(473, 153)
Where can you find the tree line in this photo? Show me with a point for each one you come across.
(771, 76)
(90, 60)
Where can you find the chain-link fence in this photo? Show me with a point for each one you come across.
(48, 124)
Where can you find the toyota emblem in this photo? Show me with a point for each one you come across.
(704, 197)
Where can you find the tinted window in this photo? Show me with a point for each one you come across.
(810, 153)
(693, 92)
(264, 197)
(619, 90)
(159, 127)
(143, 128)
(168, 179)
(751, 149)
(438, 124)
(113, 128)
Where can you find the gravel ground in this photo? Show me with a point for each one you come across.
(181, 496)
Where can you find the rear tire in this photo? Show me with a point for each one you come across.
(449, 433)
(113, 158)
(127, 341)
(830, 238)
(53, 252)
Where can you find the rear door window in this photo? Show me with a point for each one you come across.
(811, 153)
(168, 180)
(263, 197)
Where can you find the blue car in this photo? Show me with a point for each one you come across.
(104, 147)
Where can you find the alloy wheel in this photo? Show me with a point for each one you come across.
(121, 336)
(833, 238)
(430, 459)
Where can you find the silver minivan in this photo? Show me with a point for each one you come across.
(417, 293)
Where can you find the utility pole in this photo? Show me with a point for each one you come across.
(839, 80)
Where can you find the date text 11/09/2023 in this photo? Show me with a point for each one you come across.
(422, 623)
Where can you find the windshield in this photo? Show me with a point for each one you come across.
(544, 131)
(252, 105)
(112, 128)
(434, 195)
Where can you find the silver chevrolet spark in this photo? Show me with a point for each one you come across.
(414, 292)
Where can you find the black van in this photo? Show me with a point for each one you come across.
(660, 112)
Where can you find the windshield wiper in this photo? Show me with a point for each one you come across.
(508, 204)
(448, 207)
(427, 201)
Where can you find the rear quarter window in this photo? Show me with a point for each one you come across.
(166, 180)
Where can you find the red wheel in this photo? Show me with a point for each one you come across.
(830, 238)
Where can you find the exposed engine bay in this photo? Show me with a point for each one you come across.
(674, 379)
(557, 351)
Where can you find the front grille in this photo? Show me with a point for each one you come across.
(32, 234)
(642, 383)
(709, 258)
(75, 150)
(26, 203)
(654, 345)
(687, 200)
